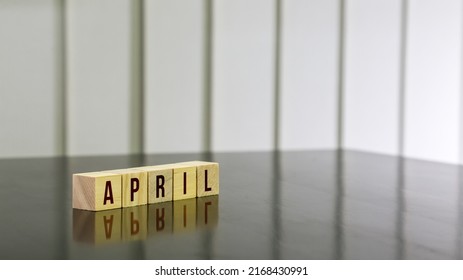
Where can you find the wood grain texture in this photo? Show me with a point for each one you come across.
(211, 185)
(160, 218)
(184, 181)
(207, 178)
(207, 211)
(134, 186)
(162, 175)
(143, 185)
(184, 215)
(89, 190)
(134, 223)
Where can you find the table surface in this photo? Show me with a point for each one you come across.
(272, 205)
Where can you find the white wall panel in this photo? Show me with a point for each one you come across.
(432, 118)
(30, 74)
(99, 76)
(174, 75)
(309, 68)
(372, 65)
(243, 75)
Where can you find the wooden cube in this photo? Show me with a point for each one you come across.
(159, 183)
(184, 181)
(207, 178)
(184, 215)
(207, 211)
(160, 217)
(97, 228)
(134, 223)
(134, 186)
(96, 191)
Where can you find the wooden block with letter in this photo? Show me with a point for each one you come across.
(144, 185)
(207, 180)
(159, 183)
(96, 191)
(184, 181)
(134, 186)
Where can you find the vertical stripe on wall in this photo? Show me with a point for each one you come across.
(174, 81)
(99, 77)
(30, 78)
(372, 63)
(432, 101)
(243, 80)
(309, 74)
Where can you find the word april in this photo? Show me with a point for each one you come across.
(122, 188)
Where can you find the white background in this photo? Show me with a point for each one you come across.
(119, 77)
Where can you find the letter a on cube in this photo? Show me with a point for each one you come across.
(96, 191)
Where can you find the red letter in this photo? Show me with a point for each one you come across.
(160, 180)
(184, 182)
(206, 188)
(108, 193)
(133, 188)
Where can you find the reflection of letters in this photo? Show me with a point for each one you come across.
(184, 216)
(108, 226)
(160, 223)
(208, 209)
(135, 225)
(139, 222)
(97, 227)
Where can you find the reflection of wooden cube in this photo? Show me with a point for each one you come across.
(96, 191)
(96, 227)
(184, 215)
(134, 223)
(134, 186)
(160, 218)
(207, 210)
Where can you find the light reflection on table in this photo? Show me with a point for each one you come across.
(285, 205)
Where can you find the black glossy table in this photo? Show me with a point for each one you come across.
(287, 205)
